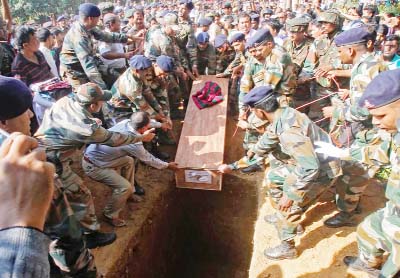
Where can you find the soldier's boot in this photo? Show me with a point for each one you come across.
(98, 239)
(285, 250)
(341, 219)
(356, 264)
(273, 219)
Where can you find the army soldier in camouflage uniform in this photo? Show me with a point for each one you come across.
(206, 55)
(130, 93)
(297, 181)
(380, 231)
(78, 62)
(67, 127)
(348, 119)
(322, 58)
(298, 46)
(225, 53)
(67, 249)
(135, 27)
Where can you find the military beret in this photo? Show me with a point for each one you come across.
(236, 37)
(258, 95)
(89, 93)
(109, 17)
(166, 63)
(139, 8)
(203, 37)
(15, 98)
(171, 20)
(220, 40)
(204, 21)
(267, 11)
(140, 62)
(118, 10)
(89, 10)
(297, 24)
(129, 13)
(258, 38)
(255, 17)
(382, 90)
(188, 3)
(352, 36)
(329, 16)
(61, 17)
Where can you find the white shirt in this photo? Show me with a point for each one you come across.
(49, 59)
(105, 47)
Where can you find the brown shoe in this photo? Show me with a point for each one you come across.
(115, 221)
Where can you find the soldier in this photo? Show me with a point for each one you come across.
(67, 127)
(297, 181)
(206, 55)
(225, 53)
(78, 62)
(378, 234)
(203, 25)
(135, 27)
(322, 58)
(298, 46)
(238, 42)
(67, 249)
(131, 94)
(348, 119)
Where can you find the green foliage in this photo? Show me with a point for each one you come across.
(38, 10)
(393, 8)
(383, 173)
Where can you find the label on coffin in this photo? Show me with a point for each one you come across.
(196, 176)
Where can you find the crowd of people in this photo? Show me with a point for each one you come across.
(316, 88)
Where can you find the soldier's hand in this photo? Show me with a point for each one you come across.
(285, 203)
(148, 135)
(141, 33)
(130, 54)
(243, 124)
(224, 169)
(220, 75)
(343, 93)
(173, 166)
(250, 154)
(26, 183)
(195, 71)
(328, 111)
(166, 126)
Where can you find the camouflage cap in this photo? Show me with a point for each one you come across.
(297, 24)
(91, 93)
(129, 13)
(171, 20)
(106, 7)
(329, 16)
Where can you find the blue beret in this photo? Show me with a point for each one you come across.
(220, 40)
(258, 95)
(61, 17)
(259, 37)
(89, 10)
(352, 36)
(166, 63)
(188, 3)
(237, 37)
(204, 21)
(268, 11)
(382, 90)
(15, 98)
(139, 62)
(203, 37)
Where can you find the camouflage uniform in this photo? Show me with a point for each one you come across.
(305, 175)
(207, 59)
(137, 45)
(131, 94)
(79, 63)
(353, 118)
(66, 128)
(187, 44)
(379, 232)
(224, 59)
(159, 87)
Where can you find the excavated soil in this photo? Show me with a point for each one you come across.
(190, 233)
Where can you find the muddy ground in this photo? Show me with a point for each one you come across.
(188, 233)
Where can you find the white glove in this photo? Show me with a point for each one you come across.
(332, 151)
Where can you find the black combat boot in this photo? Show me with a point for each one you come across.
(341, 219)
(285, 250)
(98, 239)
(357, 264)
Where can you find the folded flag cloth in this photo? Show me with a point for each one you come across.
(208, 96)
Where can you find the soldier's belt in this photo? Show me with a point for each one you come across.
(75, 67)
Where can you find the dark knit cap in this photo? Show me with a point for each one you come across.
(89, 10)
(15, 98)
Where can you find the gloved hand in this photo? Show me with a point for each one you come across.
(332, 151)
